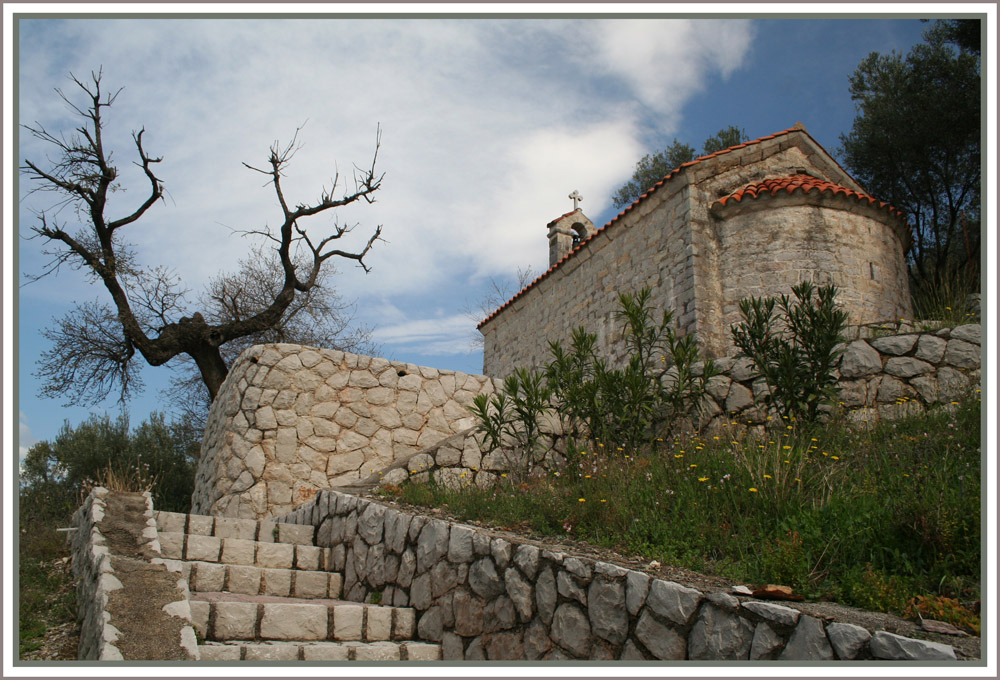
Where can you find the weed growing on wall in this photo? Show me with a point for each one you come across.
(793, 344)
(663, 380)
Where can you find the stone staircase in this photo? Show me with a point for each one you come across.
(263, 591)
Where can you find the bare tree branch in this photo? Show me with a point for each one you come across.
(100, 343)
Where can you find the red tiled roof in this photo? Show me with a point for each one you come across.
(561, 217)
(805, 183)
(616, 218)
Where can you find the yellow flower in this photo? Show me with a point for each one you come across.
(603, 501)
(503, 474)
(694, 465)
(586, 476)
(835, 457)
(753, 489)
(788, 461)
(678, 455)
(786, 447)
(814, 439)
(703, 479)
(798, 480)
(582, 500)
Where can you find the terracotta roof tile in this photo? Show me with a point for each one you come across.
(651, 190)
(806, 184)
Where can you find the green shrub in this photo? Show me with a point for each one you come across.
(795, 349)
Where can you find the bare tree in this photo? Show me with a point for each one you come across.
(319, 317)
(94, 347)
(499, 291)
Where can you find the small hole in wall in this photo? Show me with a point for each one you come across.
(401, 373)
(253, 360)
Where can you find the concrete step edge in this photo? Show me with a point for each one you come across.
(253, 580)
(264, 531)
(292, 650)
(240, 551)
(233, 620)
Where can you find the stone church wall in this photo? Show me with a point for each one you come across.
(290, 420)
(700, 265)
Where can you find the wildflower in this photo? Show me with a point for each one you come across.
(788, 461)
(905, 475)
(825, 453)
(694, 465)
(503, 474)
(586, 476)
(767, 476)
(753, 489)
(678, 455)
(814, 439)
(789, 427)
(798, 480)
(786, 447)
(582, 500)
(703, 479)
(835, 457)
(603, 501)
(717, 439)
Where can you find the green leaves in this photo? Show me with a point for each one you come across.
(794, 350)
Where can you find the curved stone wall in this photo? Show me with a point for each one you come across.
(771, 244)
(486, 598)
(290, 420)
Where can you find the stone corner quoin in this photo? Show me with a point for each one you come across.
(290, 420)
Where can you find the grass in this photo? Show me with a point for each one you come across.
(47, 595)
(869, 517)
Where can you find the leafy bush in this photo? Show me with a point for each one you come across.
(662, 381)
(794, 350)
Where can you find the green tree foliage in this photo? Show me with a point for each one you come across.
(915, 143)
(651, 168)
(54, 474)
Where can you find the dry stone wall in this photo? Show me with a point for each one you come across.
(290, 420)
(484, 597)
(881, 377)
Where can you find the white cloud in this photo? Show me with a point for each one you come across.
(487, 126)
(433, 336)
(25, 439)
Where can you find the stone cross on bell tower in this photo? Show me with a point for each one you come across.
(569, 231)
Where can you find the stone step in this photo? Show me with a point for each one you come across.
(216, 549)
(225, 617)
(320, 651)
(263, 531)
(213, 577)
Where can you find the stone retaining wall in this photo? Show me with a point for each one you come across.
(484, 597)
(290, 420)
(94, 570)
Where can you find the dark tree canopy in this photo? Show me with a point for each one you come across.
(94, 348)
(651, 168)
(915, 143)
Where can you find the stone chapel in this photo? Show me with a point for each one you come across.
(753, 219)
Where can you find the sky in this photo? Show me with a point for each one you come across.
(487, 125)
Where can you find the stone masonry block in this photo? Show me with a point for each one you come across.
(275, 555)
(379, 623)
(172, 545)
(312, 584)
(200, 524)
(208, 577)
(219, 652)
(328, 651)
(308, 557)
(294, 622)
(199, 616)
(336, 585)
(422, 651)
(271, 652)
(234, 621)
(276, 582)
(377, 651)
(172, 521)
(242, 579)
(231, 527)
(347, 621)
(237, 551)
(203, 548)
(301, 534)
(405, 624)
